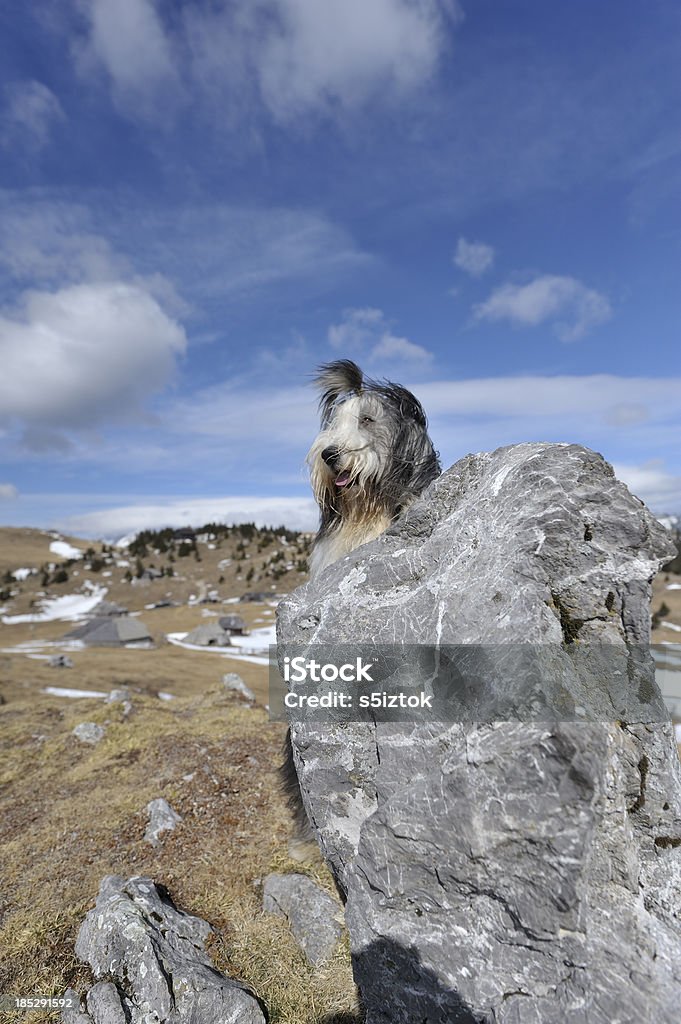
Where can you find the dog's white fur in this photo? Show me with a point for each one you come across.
(360, 521)
(383, 452)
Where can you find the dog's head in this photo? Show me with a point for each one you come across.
(373, 450)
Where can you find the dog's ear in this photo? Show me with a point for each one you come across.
(336, 379)
(407, 404)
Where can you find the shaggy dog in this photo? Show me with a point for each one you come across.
(370, 460)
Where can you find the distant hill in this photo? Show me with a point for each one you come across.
(169, 564)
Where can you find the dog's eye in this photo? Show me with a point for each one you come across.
(367, 419)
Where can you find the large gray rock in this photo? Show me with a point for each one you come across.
(311, 913)
(150, 964)
(521, 867)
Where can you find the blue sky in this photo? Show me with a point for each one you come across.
(199, 202)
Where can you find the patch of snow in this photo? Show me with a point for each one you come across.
(125, 541)
(59, 691)
(677, 729)
(69, 608)
(162, 695)
(65, 550)
(22, 574)
(231, 600)
(29, 646)
(670, 625)
(256, 641)
(673, 586)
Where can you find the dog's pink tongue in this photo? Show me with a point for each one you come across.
(343, 478)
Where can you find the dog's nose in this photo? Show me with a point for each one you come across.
(330, 455)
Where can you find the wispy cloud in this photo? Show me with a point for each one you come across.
(30, 113)
(569, 305)
(200, 251)
(128, 41)
(366, 332)
(289, 58)
(473, 257)
(8, 492)
(574, 395)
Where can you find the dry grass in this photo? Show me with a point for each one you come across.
(72, 813)
(24, 548)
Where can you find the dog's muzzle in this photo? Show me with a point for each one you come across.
(331, 456)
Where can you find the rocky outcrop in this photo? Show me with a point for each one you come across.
(149, 962)
(516, 856)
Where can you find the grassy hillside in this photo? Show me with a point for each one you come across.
(71, 813)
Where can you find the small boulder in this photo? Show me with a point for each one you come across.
(89, 732)
(119, 696)
(233, 681)
(311, 913)
(162, 818)
(59, 661)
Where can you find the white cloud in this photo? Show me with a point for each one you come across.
(656, 398)
(239, 416)
(366, 332)
(346, 51)
(8, 492)
(295, 513)
(30, 113)
(47, 241)
(294, 57)
(653, 484)
(127, 38)
(473, 257)
(572, 307)
(83, 354)
(208, 251)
